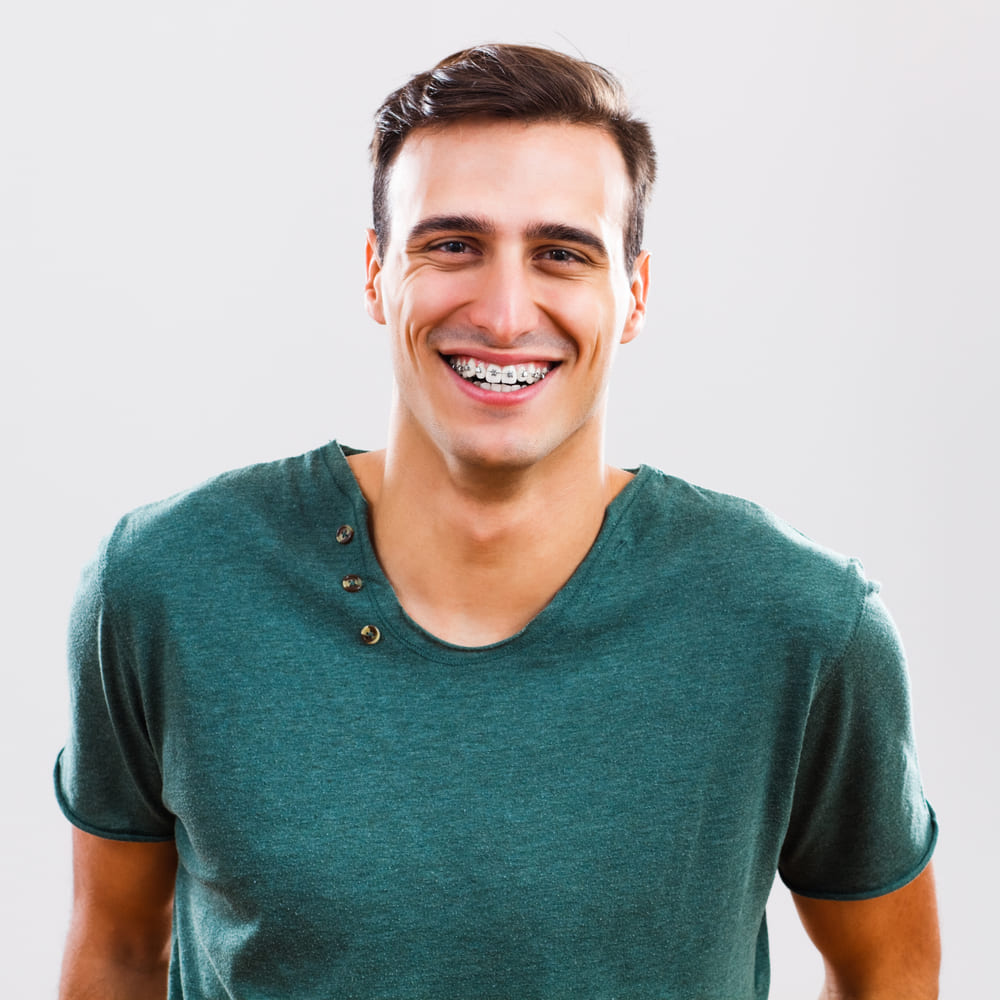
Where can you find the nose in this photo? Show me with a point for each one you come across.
(504, 303)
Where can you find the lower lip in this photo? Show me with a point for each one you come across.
(494, 398)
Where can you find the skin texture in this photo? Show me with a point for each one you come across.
(506, 246)
(887, 948)
(118, 946)
(499, 283)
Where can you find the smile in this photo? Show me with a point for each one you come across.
(499, 378)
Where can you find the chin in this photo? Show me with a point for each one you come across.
(513, 455)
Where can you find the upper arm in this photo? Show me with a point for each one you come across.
(887, 947)
(123, 896)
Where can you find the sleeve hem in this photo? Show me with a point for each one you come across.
(882, 890)
(106, 834)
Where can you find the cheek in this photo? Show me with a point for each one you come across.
(594, 321)
(424, 303)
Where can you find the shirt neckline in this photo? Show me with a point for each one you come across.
(391, 618)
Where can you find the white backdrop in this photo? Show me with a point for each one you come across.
(184, 198)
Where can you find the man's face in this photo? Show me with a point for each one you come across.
(504, 289)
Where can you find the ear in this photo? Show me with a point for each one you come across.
(373, 284)
(639, 290)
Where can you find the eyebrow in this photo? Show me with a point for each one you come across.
(559, 232)
(474, 224)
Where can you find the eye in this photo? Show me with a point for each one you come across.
(560, 255)
(451, 246)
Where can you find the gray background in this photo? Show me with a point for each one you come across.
(184, 198)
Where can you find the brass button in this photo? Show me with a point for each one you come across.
(352, 583)
(370, 635)
(345, 534)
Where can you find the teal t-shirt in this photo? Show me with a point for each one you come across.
(595, 807)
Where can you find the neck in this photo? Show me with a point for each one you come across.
(473, 552)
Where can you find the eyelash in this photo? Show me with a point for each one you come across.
(450, 243)
(571, 257)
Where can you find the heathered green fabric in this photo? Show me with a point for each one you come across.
(594, 808)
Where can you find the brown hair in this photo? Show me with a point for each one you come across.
(515, 82)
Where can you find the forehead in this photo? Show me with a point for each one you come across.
(512, 173)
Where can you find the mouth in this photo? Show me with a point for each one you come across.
(500, 378)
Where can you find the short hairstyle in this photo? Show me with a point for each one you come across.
(523, 83)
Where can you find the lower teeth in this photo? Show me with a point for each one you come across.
(496, 386)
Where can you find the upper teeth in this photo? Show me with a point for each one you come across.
(500, 377)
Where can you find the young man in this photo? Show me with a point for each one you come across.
(478, 715)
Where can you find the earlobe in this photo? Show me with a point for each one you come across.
(640, 291)
(373, 271)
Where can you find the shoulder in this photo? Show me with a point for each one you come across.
(736, 554)
(227, 521)
(720, 526)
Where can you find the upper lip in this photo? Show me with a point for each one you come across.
(496, 358)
